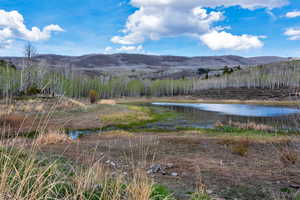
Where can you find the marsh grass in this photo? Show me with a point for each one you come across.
(246, 126)
(133, 115)
(117, 133)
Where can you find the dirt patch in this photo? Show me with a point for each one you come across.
(193, 157)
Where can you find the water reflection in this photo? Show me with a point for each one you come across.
(238, 109)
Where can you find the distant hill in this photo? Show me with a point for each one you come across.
(143, 65)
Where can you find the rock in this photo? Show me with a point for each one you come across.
(294, 186)
(209, 191)
(174, 174)
(156, 168)
(98, 187)
(169, 165)
(112, 163)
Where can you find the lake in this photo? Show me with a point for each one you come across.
(205, 115)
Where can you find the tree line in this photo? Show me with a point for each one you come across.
(34, 78)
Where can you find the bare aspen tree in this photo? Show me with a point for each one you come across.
(29, 53)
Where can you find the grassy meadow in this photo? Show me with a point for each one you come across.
(117, 155)
(123, 160)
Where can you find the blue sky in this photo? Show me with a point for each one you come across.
(167, 27)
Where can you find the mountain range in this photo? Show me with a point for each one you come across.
(142, 65)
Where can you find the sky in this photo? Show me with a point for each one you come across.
(160, 27)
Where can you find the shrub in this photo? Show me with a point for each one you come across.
(33, 91)
(93, 96)
(160, 192)
(241, 147)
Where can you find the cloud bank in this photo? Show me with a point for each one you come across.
(12, 27)
(157, 19)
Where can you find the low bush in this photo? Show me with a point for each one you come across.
(240, 149)
(32, 91)
(93, 96)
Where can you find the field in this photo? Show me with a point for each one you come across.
(119, 159)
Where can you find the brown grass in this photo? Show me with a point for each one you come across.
(53, 137)
(240, 149)
(246, 126)
(238, 146)
(288, 156)
(12, 120)
(140, 187)
(132, 114)
(107, 102)
(117, 133)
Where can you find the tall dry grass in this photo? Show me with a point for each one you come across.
(28, 174)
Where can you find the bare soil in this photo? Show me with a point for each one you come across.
(195, 157)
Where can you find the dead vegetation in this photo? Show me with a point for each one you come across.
(53, 137)
(246, 126)
(123, 156)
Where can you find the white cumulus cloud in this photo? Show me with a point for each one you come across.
(156, 22)
(293, 33)
(155, 19)
(124, 49)
(293, 14)
(12, 27)
(223, 40)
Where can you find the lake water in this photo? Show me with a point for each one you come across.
(205, 115)
(237, 109)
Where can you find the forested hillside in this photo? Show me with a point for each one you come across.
(40, 79)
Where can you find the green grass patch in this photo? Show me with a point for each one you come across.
(142, 117)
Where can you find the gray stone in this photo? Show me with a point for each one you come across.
(174, 174)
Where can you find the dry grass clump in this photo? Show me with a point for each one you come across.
(288, 155)
(24, 177)
(140, 188)
(40, 108)
(240, 149)
(108, 102)
(68, 102)
(239, 146)
(246, 126)
(53, 137)
(287, 151)
(6, 109)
